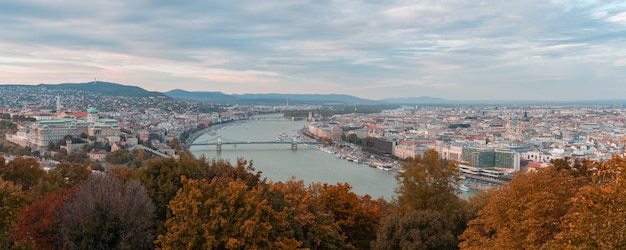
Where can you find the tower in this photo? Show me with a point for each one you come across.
(294, 143)
(92, 115)
(59, 105)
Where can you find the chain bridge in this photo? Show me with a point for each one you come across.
(223, 141)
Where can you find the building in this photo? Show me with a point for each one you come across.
(507, 159)
(406, 151)
(384, 145)
(44, 132)
(479, 157)
(452, 152)
(41, 133)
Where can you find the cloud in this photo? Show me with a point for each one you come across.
(368, 48)
(620, 62)
(619, 18)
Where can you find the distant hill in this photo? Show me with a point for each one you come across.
(105, 88)
(426, 100)
(268, 99)
(418, 100)
(309, 98)
(200, 95)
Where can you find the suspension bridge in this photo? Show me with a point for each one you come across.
(219, 142)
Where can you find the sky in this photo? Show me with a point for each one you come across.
(374, 49)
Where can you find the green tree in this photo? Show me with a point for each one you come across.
(224, 214)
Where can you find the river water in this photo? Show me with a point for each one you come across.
(278, 162)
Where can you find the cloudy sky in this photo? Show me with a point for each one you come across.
(454, 49)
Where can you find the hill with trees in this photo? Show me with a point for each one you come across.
(105, 88)
(213, 204)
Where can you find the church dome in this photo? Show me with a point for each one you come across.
(92, 110)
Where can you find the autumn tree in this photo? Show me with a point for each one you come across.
(11, 200)
(106, 213)
(357, 216)
(161, 177)
(312, 223)
(123, 173)
(39, 222)
(63, 176)
(25, 172)
(597, 216)
(428, 183)
(243, 170)
(224, 214)
(415, 229)
(428, 212)
(526, 213)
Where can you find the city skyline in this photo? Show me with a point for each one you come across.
(491, 50)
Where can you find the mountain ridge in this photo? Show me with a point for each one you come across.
(116, 89)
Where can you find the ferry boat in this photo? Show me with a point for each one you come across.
(463, 188)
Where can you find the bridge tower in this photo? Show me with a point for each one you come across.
(294, 143)
(218, 144)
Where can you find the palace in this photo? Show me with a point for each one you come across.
(39, 135)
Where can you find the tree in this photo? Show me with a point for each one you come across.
(11, 200)
(106, 213)
(428, 183)
(224, 214)
(121, 156)
(63, 176)
(429, 214)
(526, 214)
(161, 177)
(243, 170)
(416, 229)
(597, 217)
(357, 216)
(174, 144)
(25, 172)
(39, 222)
(313, 224)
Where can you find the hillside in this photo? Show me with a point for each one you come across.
(268, 99)
(105, 88)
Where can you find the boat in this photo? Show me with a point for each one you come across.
(463, 188)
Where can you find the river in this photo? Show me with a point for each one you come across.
(278, 162)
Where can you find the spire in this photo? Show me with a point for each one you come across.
(59, 105)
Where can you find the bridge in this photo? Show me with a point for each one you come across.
(278, 118)
(154, 152)
(218, 143)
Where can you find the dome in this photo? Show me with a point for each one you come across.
(92, 110)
